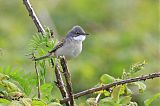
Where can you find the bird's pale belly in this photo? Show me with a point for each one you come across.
(70, 50)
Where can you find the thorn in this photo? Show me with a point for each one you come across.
(56, 83)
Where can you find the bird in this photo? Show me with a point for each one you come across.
(70, 46)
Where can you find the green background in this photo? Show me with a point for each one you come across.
(122, 32)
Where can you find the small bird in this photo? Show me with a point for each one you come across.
(70, 46)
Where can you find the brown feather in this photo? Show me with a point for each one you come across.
(60, 44)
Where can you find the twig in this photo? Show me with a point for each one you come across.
(67, 76)
(33, 16)
(59, 82)
(104, 87)
(38, 79)
(97, 98)
(40, 29)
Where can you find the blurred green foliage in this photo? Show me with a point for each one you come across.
(122, 32)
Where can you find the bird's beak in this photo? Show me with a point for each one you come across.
(85, 34)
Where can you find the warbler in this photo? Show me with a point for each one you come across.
(70, 46)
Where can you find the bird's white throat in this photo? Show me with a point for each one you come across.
(80, 38)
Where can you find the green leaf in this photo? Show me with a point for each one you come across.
(105, 78)
(150, 100)
(54, 104)
(91, 101)
(10, 87)
(141, 86)
(128, 91)
(132, 104)
(46, 91)
(15, 103)
(125, 75)
(4, 101)
(108, 102)
(125, 100)
(24, 81)
(137, 67)
(38, 103)
(115, 94)
(26, 101)
(106, 93)
(3, 77)
(122, 90)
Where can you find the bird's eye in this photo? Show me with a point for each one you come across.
(77, 32)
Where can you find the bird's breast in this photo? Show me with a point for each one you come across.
(70, 49)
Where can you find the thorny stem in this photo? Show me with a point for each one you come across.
(59, 82)
(67, 76)
(32, 14)
(104, 87)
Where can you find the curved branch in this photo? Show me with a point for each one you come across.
(67, 76)
(59, 81)
(32, 14)
(104, 87)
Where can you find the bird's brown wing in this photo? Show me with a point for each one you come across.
(60, 44)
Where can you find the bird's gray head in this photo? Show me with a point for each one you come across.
(77, 33)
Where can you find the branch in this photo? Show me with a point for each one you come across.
(41, 29)
(67, 76)
(32, 14)
(38, 79)
(59, 82)
(104, 87)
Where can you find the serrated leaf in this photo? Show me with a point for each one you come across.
(150, 100)
(105, 78)
(125, 100)
(115, 94)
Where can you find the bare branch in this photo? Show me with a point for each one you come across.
(104, 87)
(40, 29)
(38, 79)
(67, 76)
(59, 82)
(32, 14)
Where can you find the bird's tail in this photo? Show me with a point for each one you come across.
(43, 57)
